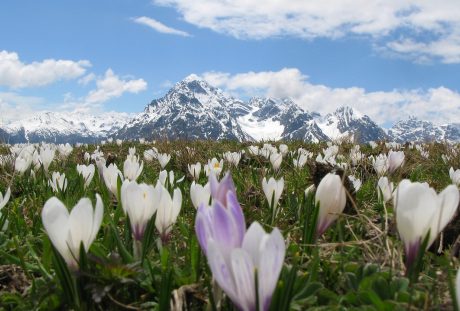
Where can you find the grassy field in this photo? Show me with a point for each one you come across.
(357, 263)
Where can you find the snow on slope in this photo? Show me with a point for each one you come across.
(267, 129)
(56, 126)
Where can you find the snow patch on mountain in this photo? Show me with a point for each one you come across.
(265, 129)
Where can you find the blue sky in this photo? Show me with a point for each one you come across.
(388, 61)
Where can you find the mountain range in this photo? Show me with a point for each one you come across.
(193, 109)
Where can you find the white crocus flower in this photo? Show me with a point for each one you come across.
(111, 174)
(284, 149)
(167, 210)
(200, 194)
(253, 150)
(300, 161)
(419, 210)
(138, 202)
(235, 269)
(381, 164)
(215, 167)
(273, 189)
(23, 162)
(150, 154)
(233, 158)
(68, 231)
(58, 182)
(455, 176)
(132, 169)
(46, 157)
(36, 161)
(163, 159)
(275, 160)
(395, 160)
(87, 172)
(385, 189)
(87, 157)
(65, 150)
(332, 199)
(194, 170)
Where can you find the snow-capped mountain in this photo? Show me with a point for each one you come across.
(192, 109)
(64, 127)
(272, 119)
(413, 129)
(348, 122)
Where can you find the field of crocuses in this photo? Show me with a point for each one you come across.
(227, 226)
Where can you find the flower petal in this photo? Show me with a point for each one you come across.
(244, 275)
(97, 218)
(273, 250)
(80, 225)
(253, 239)
(221, 270)
(55, 218)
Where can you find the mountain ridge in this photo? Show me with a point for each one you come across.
(194, 109)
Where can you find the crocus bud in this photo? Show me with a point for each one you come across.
(455, 176)
(233, 158)
(150, 154)
(380, 164)
(163, 159)
(272, 190)
(224, 220)
(46, 157)
(332, 198)
(420, 210)
(283, 149)
(23, 162)
(220, 189)
(87, 172)
(200, 194)
(275, 160)
(67, 231)
(385, 189)
(138, 201)
(132, 169)
(111, 174)
(194, 170)
(214, 167)
(395, 160)
(58, 182)
(167, 210)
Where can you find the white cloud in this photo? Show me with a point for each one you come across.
(14, 107)
(440, 105)
(160, 27)
(437, 21)
(111, 86)
(16, 74)
(87, 79)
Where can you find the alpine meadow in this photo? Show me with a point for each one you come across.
(276, 155)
